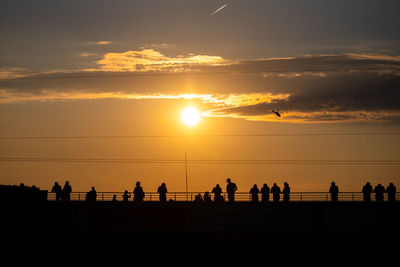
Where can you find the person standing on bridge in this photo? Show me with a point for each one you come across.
(67, 191)
(126, 196)
(254, 194)
(334, 191)
(391, 191)
(138, 193)
(162, 191)
(231, 188)
(276, 191)
(217, 191)
(58, 190)
(286, 192)
(379, 190)
(367, 190)
(91, 195)
(264, 193)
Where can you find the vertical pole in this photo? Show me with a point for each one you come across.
(187, 199)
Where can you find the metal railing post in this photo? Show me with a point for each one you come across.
(301, 196)
(79, 196)
(102, 196)
(175, 197)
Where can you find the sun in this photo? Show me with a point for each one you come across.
(190, 116)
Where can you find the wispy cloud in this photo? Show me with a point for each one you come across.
(103, 42)
(87, 54)
(157, 46)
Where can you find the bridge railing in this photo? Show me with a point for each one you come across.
(239, 196)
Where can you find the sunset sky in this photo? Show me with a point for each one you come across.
(89, 80)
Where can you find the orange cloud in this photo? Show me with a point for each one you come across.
(103, 42)
(152, 60)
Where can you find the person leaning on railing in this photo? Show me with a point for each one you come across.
(391, 191)
(367, 190)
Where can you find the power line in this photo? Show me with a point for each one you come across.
(200, 136)
(201, 161)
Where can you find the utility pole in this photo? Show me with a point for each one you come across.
(187, 198)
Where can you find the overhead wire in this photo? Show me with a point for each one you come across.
(200, 161)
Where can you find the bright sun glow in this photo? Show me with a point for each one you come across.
(191, 116)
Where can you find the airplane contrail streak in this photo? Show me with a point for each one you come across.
(218, 10)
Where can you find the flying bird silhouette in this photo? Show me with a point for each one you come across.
(218, 10)
(276, 112)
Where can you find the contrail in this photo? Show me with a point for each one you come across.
(218, 10)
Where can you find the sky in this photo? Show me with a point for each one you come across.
(89, 80)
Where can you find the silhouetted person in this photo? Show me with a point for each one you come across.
(138, 193)
(67, 191)
(231, 189)
(334, 191)
(367, 190)
(91, 196)
(286, 192)
(126, 196)
(114, 200)
(254, 193)
(162, 191)
(391, 191)
(379, 190)
(217, 191)
(198, 198)
(264, 193)
(276, 191)
(207, 197)
(58, 190)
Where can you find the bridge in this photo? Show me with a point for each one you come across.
(239, 196)
(107, 233)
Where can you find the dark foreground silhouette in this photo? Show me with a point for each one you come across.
(152, 233)
(33, 193)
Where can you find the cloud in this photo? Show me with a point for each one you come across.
(157, 46)
(103, 42)
(152, 60)
(87, 54)
(324, 88)
(13, 73)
